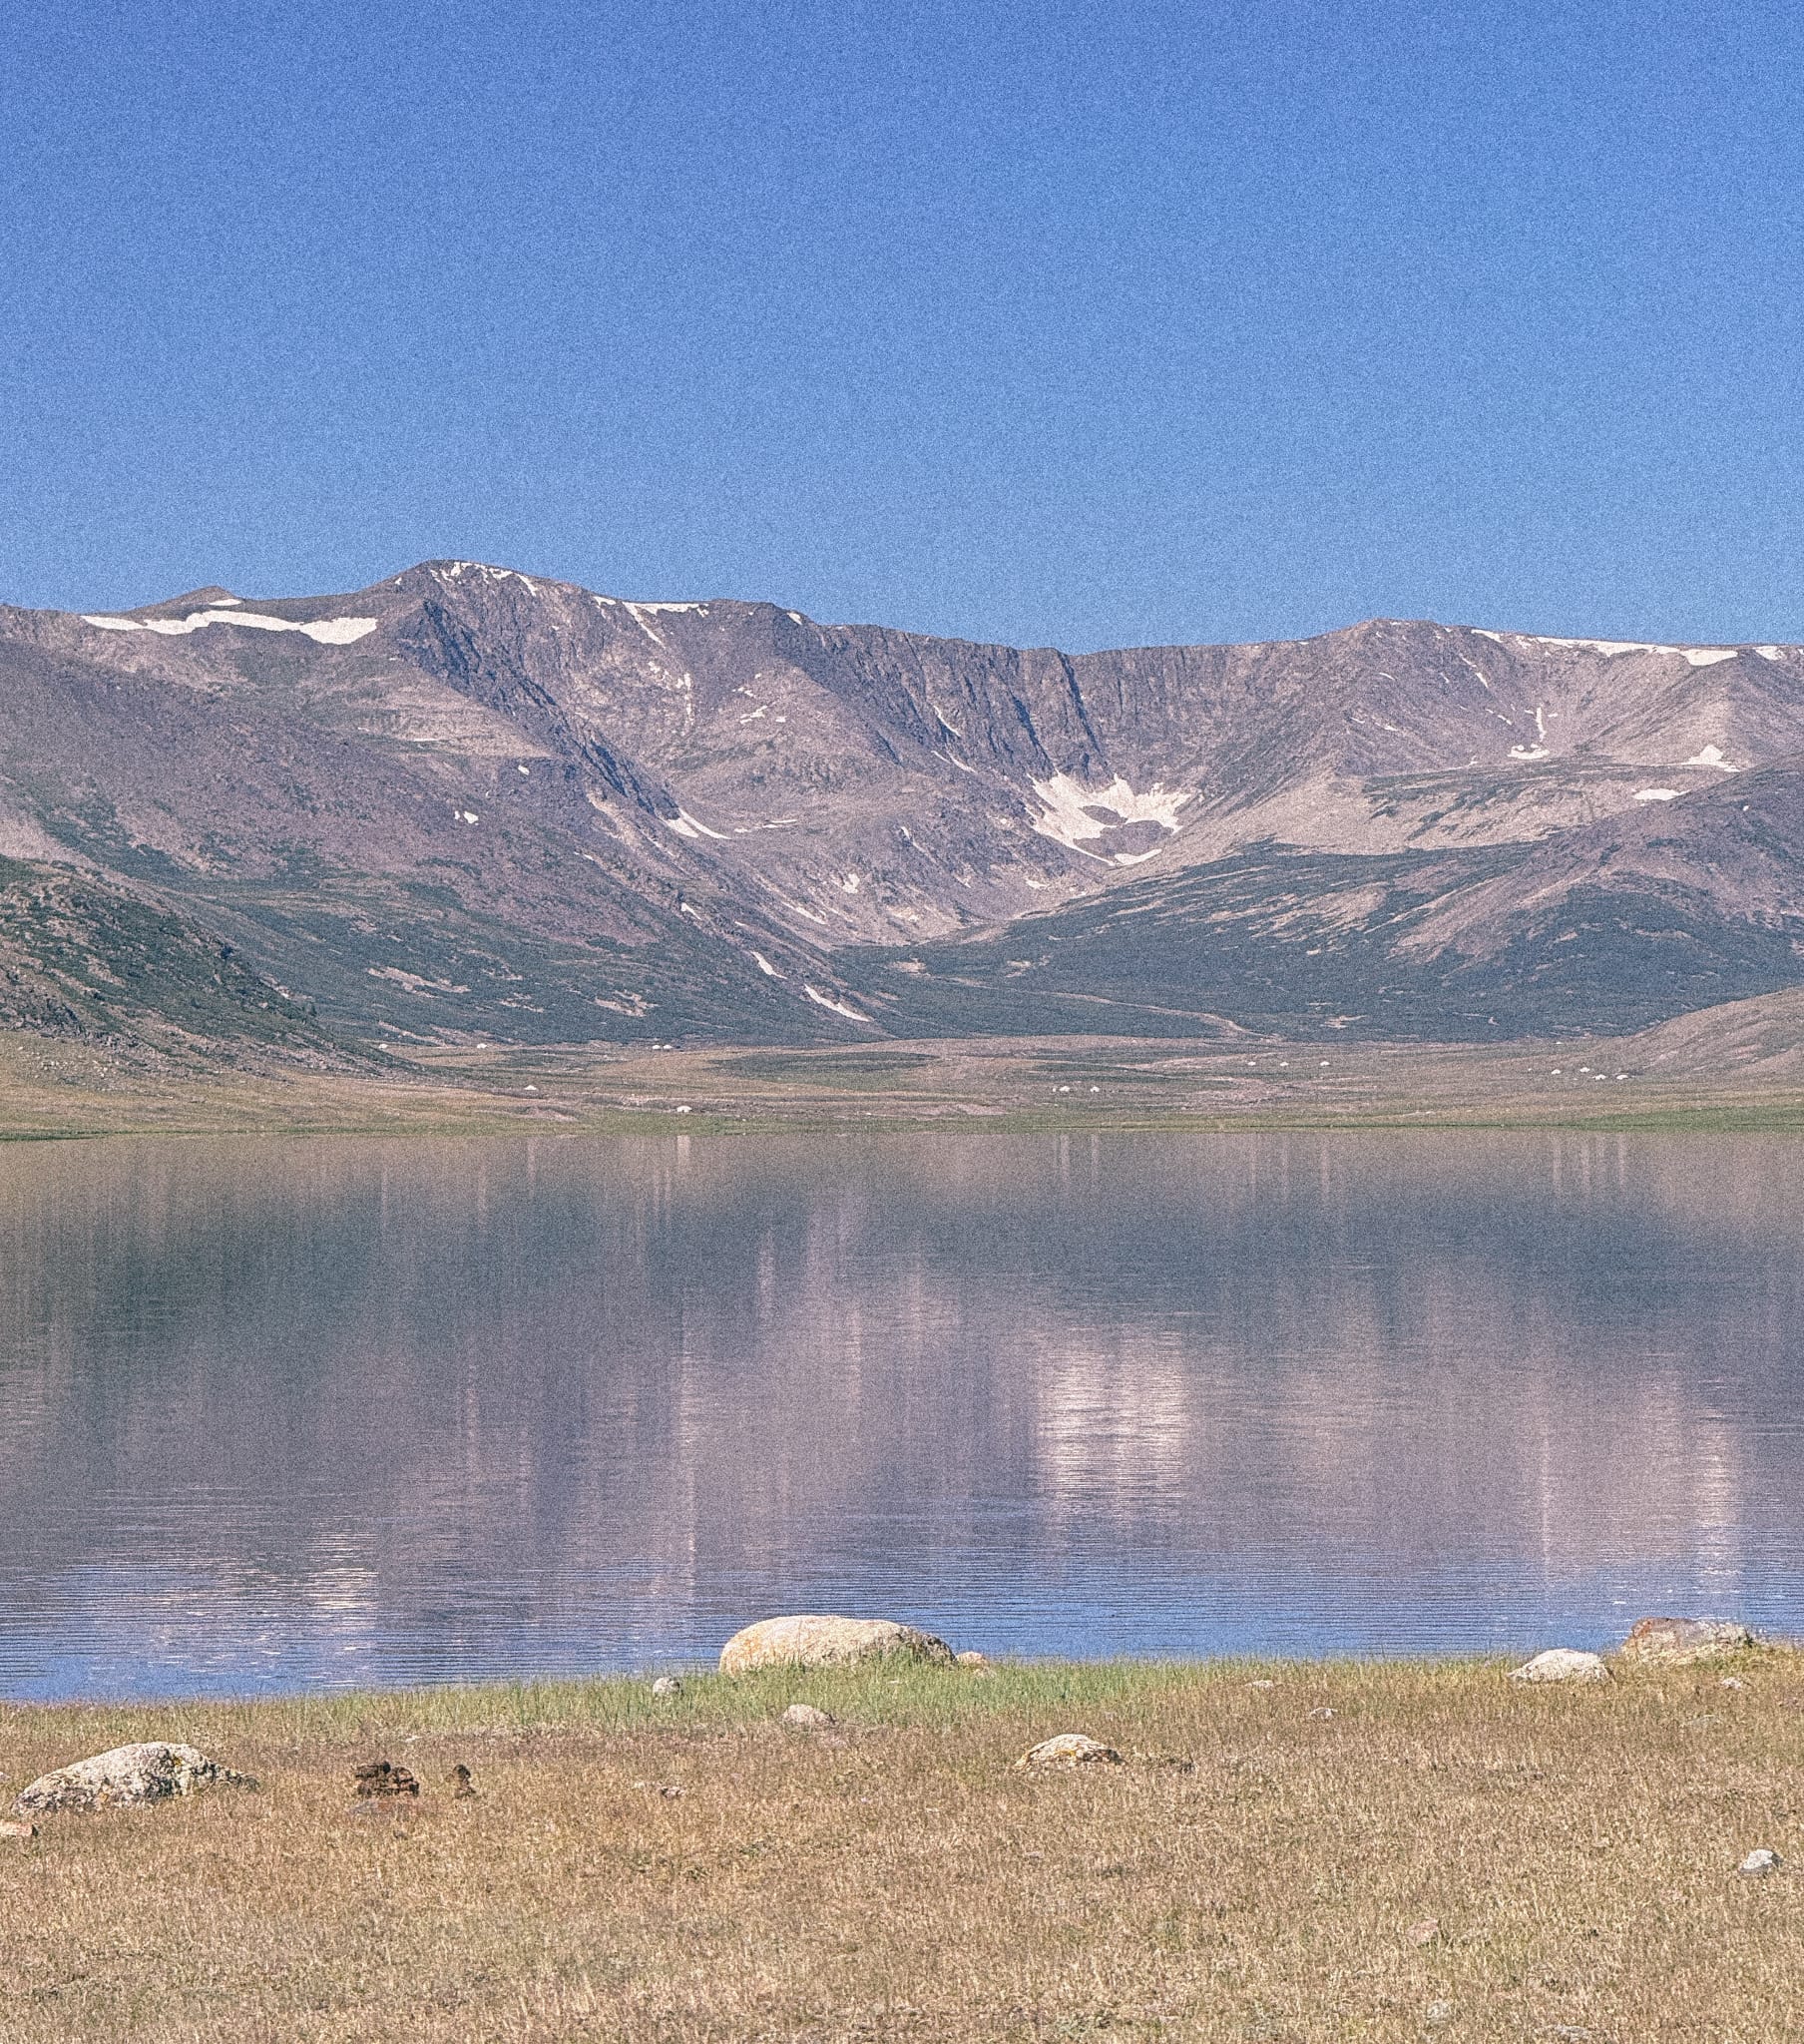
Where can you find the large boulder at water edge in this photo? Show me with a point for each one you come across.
(125, 1778)
(811, 1642)
(1676, 1641)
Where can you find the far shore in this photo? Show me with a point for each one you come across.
(1028, 1086)
(1279, 1849)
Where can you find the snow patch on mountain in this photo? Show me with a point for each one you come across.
(821, 1000)
(687, 825)
(638, 611)
(1697, 656)
(322, 631)
(1070, 815)
(455, 571)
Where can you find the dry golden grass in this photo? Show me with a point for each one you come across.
(899, 1877)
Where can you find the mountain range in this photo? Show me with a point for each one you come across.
(467, 804)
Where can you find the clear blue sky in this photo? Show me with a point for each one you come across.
(1082, 324)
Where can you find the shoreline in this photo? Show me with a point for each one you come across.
(624, 1697)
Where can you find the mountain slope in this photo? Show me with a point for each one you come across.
(1604, 928)
(466, 800)
(85, 960)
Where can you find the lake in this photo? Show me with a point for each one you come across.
(285, 1412)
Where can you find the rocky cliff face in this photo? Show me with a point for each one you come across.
(469, 801)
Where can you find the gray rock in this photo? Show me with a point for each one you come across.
(1763, 1859)
(1679, 1641)
(667, 1685)
(805, 1717)
(1069, 1750)
(1561, 1664)
(127, 1778)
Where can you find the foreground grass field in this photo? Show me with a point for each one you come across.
(1293, 1851)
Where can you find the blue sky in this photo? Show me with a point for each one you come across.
(1074, 325)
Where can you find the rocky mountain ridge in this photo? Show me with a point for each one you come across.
(466, 802)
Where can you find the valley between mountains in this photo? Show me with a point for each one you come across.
(468, 806)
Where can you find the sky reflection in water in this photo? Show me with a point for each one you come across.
(276, 1413)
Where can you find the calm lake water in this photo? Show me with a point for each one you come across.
(285, 1412)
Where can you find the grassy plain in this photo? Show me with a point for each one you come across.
(1056, 1085)
(1299, 1852)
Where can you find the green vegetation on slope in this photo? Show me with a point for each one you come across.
(83, 959)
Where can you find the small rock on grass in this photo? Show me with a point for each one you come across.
(127, 1778)
(805, 1717)
(463, 1785)
(11, 1827)
(383, 1778)
(667, 1685)
(1069, 1750)
(1763, 1859)
(1423, 1933)
(1561, 1664)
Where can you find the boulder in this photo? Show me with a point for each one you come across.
(1561, 1664)
(1763, 1859)
(827, 1643)
(125, 1778)
(805, 1717)
(1677, 1641)
(1069, 1750)
(383, 1778)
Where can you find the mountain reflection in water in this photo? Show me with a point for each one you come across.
(280, 1412)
